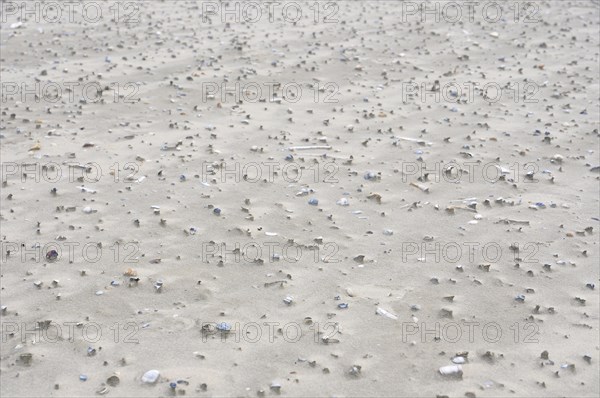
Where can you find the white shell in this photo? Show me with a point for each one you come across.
(150, 376)
(451, 370)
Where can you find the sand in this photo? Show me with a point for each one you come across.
(263, 206)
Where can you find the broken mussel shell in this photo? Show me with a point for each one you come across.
(212, 328)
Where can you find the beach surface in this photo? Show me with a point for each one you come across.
(333, 199)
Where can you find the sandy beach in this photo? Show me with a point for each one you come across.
(300, 199)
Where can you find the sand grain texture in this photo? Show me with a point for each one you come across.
(169, 148)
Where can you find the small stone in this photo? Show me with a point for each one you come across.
(26, 358)
(276, 387)
(451, 370)
(113, 381)
(355, 370)
(587, 358)
(151, 376)
(343, 202)
(224, 327)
